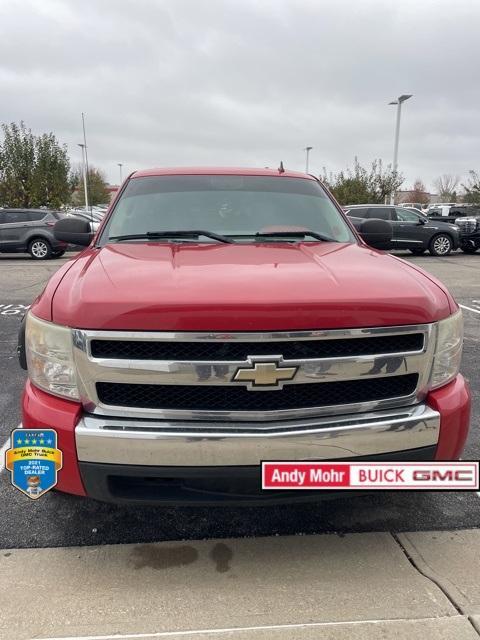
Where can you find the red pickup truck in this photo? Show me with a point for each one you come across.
(221, 317)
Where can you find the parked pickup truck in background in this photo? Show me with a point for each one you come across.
(221, 317)
(467, 219)
(450, 213)
(469, 233)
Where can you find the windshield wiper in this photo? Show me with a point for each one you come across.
(190, 234)
(294, 234)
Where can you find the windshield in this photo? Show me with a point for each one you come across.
(234, 206)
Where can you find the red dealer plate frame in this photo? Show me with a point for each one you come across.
(352, 469)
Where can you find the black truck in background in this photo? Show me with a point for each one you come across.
(467, 219)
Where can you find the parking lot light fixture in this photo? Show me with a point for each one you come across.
(401, 99)
(120, 165)
(307, 157)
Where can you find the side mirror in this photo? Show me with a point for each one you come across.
(73, 231)
(422, 221)
(376, 233)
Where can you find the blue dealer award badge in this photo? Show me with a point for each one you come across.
(33, 461)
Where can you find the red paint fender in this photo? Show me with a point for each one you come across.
(453, 402)
(42, 410)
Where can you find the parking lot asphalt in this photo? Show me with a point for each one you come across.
(62, 520)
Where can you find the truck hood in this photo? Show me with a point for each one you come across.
(243, 287)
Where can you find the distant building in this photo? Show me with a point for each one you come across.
(112, 190)
(415, 196)
(77, 195)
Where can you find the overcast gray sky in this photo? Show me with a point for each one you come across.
(243, 82)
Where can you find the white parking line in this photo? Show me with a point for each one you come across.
(273, 627)
(469, 308)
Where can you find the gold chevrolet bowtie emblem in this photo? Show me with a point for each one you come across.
(264, 374)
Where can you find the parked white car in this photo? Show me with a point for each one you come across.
(94, 217)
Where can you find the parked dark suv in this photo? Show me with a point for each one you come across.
(30, 230)
(411, 230)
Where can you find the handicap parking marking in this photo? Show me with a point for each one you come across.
(13, 309)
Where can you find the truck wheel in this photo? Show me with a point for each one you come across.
(440, 245)
(469, 248)
(40, 249)
(417, 252)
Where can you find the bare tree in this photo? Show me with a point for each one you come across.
(446, 186)
(472, 187)
(419, 192)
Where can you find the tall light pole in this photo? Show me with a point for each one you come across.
(84, 171)
(398, 102)
(307, 156)
(120, 165)
(87, 173)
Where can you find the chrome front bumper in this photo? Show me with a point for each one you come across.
(161, 443)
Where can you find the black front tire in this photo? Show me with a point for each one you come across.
(468, 248)
(417, 252)
(441, 245)
(40, 249)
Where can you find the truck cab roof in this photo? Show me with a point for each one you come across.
(220, 171)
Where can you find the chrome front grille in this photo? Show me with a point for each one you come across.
(188, 376)
(467, 225)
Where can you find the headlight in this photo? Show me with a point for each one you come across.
(50, 357)
(448, 350)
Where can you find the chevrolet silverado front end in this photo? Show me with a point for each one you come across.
(224, 317)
